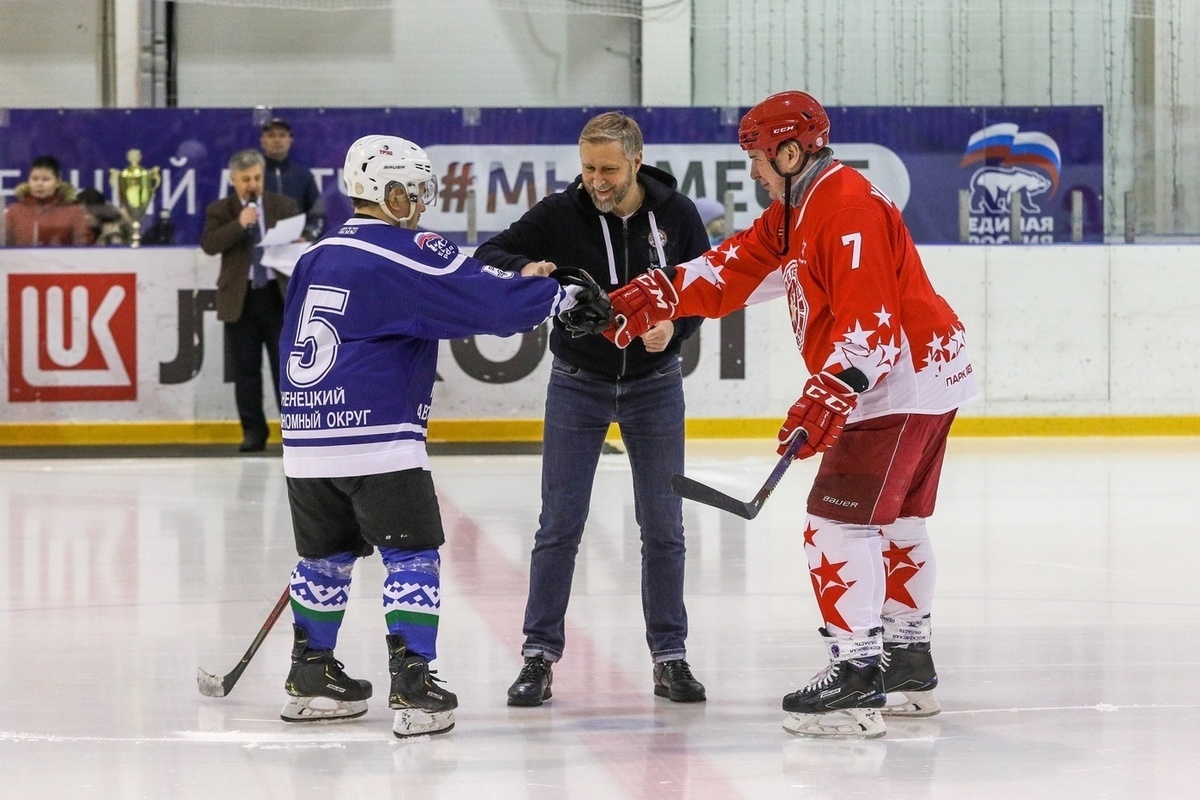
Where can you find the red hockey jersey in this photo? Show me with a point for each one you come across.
(857, 292)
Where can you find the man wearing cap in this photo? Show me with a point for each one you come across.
(284, 176)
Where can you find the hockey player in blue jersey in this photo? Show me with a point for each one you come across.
(365, 309)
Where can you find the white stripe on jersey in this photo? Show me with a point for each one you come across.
(366, 430)
(390, 255)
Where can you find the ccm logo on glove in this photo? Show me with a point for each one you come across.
(639, 305)
(821, 412)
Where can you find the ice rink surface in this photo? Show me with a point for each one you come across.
(1067, 634)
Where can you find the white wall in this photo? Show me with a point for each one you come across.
(48, 54)
(419, 53)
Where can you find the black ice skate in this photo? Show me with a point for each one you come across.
(318, 690)
(909, 678)
(422, 707)
(842, 700)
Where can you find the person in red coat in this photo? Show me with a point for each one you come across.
(45, 213)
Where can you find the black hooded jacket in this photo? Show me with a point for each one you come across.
(567, 229)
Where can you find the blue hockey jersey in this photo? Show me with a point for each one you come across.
(364, 311)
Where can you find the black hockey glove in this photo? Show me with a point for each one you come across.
(592, 312)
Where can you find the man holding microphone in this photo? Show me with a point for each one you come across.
(249, 295)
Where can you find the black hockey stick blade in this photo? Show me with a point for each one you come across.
(690, 489)
(212, 686)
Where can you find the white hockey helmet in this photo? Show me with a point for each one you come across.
(375, 162)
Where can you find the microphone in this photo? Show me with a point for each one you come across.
(252, 202)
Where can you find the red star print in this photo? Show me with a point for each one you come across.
(809, 533)
(829, 588)
(900, 569)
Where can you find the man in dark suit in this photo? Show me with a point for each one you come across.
(249, 295)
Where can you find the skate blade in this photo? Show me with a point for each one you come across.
(417, 722)
(911, 704)
(321, 709)
(856, 723)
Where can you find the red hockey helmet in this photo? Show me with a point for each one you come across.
(781, 117)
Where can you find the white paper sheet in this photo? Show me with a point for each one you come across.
(282, 257)
(285, 231)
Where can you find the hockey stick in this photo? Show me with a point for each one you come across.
(211, 685)
(694, 490)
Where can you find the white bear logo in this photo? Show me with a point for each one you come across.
(992, 187)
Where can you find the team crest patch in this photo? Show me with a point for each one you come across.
(435, 244)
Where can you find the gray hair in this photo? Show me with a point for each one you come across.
(245, 159)
(614, 126)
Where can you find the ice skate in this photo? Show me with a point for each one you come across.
(909, 678)
(842, 700)
(318, 690)
(422, 707)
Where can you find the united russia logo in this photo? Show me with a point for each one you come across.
(1011, 166)
(72, 337)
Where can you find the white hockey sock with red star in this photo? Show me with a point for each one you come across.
(911, 574)
(847, 574)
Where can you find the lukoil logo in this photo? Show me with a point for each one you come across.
(72, 337)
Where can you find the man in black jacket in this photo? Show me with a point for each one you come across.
(617, 219)
(284, 176)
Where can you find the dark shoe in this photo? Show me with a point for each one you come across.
(252, 445)
(674, 680)
(532, 686)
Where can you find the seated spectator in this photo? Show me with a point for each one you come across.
(45, 213)
(110, 225)
(712, 214)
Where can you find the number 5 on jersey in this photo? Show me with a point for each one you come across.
(317, 339)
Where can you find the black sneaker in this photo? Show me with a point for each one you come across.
(413, 682)
(316, 673)
(532, 686)
(674, 680)
(854, 683)
(909, 677)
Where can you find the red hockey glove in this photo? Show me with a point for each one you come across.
(639, 305)
(821, 411)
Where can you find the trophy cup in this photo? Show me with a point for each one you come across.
(135, 187)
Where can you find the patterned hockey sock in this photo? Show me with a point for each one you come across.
(911, 574)
(412, 598)
(846, 572)
(320, 592)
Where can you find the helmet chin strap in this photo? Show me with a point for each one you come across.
(787, 195)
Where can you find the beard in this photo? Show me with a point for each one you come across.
(620, 192)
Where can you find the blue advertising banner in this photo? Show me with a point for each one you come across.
(505, 159)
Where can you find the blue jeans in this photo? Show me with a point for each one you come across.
(579, 407)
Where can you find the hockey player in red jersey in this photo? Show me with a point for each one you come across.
(889, 368)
